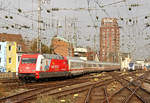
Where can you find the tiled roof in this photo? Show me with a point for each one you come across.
(15, 38)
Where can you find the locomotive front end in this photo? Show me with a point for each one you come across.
(27, 67)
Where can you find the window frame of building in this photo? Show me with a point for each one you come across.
(19, 48)
(0, 47)
(9, 60)
(0, 60)
(9, 47)
(19, 58)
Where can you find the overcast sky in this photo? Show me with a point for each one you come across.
(134, 33)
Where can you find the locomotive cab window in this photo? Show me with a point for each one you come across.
(28, 60)
(41, 61)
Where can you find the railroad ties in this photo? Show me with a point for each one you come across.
(106, 87)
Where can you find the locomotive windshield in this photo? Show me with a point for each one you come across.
(28, 60)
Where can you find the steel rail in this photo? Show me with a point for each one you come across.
(144, 101)
(106, 94)
(88, 95)
(125, 86)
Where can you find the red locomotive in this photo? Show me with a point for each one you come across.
(37, 66)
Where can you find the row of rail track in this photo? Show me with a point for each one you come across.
(112, 87)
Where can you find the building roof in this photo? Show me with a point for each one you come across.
(15, 38)
(84, 50)
(3, 43)
(60, 38)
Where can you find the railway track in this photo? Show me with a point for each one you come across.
(16, 83)
(100, 91)
(44, 88)
(131, 92)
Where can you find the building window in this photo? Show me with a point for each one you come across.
(19, 48)
(9, 48)
(0, 60)
(19, 57)
(0, 47)
(9, 60)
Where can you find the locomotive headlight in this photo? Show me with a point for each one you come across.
(27, 67)
(36, 73)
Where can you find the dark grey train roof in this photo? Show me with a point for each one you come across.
(75, 58)
(52, 56)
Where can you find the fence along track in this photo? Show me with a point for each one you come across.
(7, 75)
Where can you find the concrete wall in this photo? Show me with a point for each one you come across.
(6, 75)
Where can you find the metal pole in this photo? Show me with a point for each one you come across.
(75, 34)
(39, 27)
(65, 27)
(94, 47)
(57, 28)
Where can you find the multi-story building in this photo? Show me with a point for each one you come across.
(2, 56)
(109, 40)
(11, 56)
(7, 57)
(61, 46)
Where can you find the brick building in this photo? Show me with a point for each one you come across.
(61, 46)
(109, 40)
